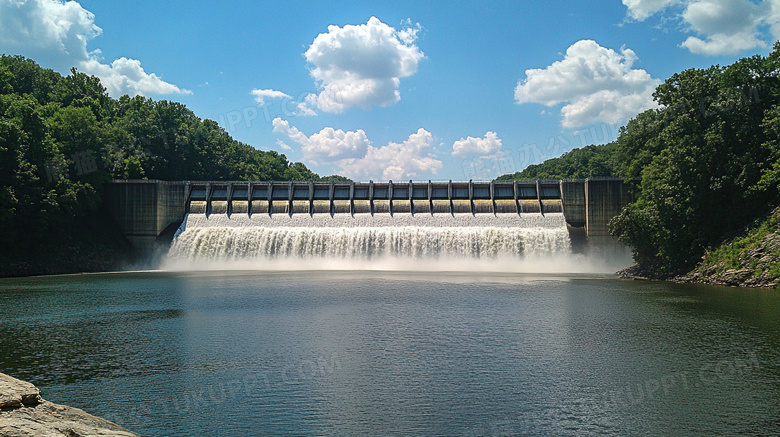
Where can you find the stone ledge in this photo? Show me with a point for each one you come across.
(16, 393)
(23, 413)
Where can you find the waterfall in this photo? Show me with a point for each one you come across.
(367, 237)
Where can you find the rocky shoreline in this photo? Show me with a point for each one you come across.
(729, 277)
(748, 258)
(744, 277)
(23, 413)
(711, 275)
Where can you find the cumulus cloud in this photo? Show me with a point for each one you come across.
(407, 160)
(641, 10)
(720, 44)
(327, 146)
(261, 95)
(55, 34)
(283, 126)
(486, 146)
(361, 65)
(126, 76)
(305, 109)
(722, 27)
(728, 26)
(356, 157)
(596, 83)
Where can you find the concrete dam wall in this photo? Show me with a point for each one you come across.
(149, 211)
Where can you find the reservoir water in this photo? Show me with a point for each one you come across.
(397, 353)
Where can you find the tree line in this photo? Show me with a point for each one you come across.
(63, 137)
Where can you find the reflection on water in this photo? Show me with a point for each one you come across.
(366, 353)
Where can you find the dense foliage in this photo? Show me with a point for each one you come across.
(587, 162)
(709, 161)
(61, 138)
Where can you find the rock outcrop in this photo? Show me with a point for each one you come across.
(752, 260)
(23, 413)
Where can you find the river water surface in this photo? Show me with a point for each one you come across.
(392, 353)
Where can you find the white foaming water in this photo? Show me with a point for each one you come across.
(501, 242)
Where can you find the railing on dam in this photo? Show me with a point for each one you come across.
(145, 210)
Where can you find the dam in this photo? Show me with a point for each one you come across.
(366, 220)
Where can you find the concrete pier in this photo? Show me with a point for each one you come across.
(144, 209)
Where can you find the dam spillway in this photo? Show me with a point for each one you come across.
(366, 220)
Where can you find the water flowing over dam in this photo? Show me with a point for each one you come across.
(369, 237)
(276, 221)
(371, 221)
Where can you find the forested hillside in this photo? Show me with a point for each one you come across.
(587, 162)
(709, 162)
(61, 138)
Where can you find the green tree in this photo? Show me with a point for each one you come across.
(61, 138)
(707, 161)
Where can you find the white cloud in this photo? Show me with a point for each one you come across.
(261, 95)
(126, 76)
(283, 126)
(55, 34)
(721, 16)
(356, 157)
(302, 109)
(407, 160)
(728, 26)
(597, 84)
(720, 44)
(489, 145)
(361, 65)
(328, 145)
(641, 10)
(722, 27)
(46, 28)
(305, 110)
(283, 145)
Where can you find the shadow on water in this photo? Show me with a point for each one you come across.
(66, 329)
(759, 307)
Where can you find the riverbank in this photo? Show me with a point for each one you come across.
(749, 258)
(24, 413)
(76, 257)
(709, 275)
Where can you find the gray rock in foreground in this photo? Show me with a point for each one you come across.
(23, 413)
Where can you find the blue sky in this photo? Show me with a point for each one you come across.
(396, 90)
